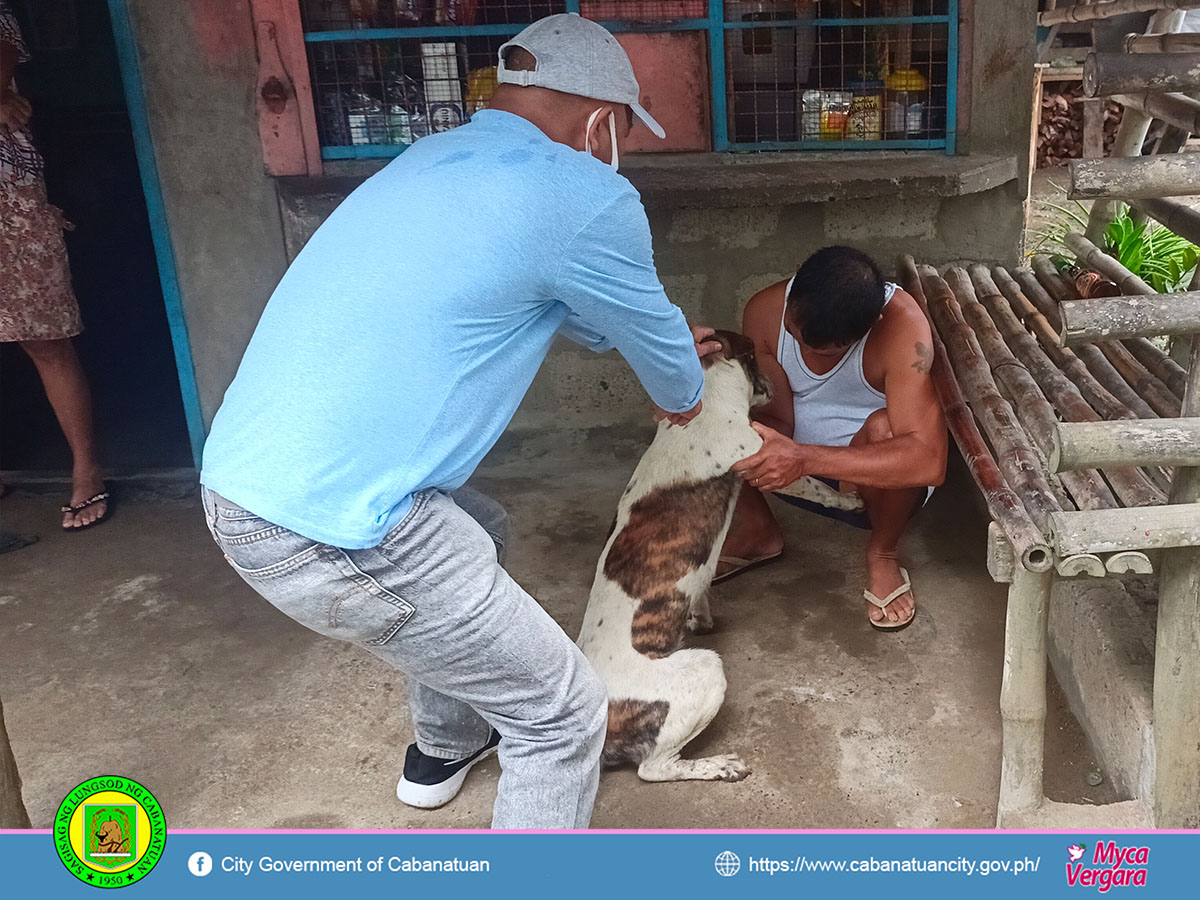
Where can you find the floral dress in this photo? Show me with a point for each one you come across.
(36, 299)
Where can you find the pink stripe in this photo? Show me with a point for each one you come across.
(647, 831)
(657, 831)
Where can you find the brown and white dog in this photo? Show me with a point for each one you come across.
(653, 577)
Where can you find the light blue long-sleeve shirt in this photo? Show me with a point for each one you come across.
(398, 345)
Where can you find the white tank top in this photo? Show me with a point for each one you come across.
(829, 409)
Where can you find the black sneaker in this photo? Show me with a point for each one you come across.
(429, 782)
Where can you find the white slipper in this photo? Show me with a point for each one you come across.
(885, 625)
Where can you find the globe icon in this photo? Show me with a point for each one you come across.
(727, 863)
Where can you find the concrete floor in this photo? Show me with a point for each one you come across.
(133, 649)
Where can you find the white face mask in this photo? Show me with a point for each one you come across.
(612, 131)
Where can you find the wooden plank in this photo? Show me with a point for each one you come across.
(1106, 9)
(1132, 178)
(287, 122)
(1105, 318)
(1132, 528)
(1139, 442)
(1106, 74)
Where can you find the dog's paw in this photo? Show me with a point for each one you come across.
(731, 767)
(725, 767)
(699, 624)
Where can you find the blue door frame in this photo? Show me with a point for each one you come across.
(135, 100)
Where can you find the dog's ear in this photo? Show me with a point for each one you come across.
(726, 351)
(739, 348)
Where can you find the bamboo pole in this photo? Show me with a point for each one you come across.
(1023, 694)
(1014, 454)
(12, 807)
(1183, 220)
(1158, 364)
(1151, 389)
(1162, 43)
(1106, 9)
(1177, 653)
(1053, 285)
(1130, 485)
(1132, 178)
(1087, 489)
(1106, 74)
(1134, 528)
(1154, 442)
(1131, 133)
(1004, 506)
(1175, 109)
(1156, 394)
(1101, 399)
(1081, 564)
(1093, 257)
(1129, 562)
(1139, 315)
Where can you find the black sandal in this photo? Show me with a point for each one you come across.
(102, 497)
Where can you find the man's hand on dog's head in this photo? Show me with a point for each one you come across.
(705, 344)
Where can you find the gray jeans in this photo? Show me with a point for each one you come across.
(434, 601)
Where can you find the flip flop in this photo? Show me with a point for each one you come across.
(741, 565)
(885, 625)
(102, 497)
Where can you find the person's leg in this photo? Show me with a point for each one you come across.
(889, 512)
(71, 398)
(753, 532)
(433, 601)
(446, 727)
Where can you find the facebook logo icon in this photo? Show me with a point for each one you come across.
(200, 864)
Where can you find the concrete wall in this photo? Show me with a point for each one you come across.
(199, 64)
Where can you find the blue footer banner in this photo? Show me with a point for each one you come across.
(108, 844)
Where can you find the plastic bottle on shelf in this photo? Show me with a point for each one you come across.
(905, 105)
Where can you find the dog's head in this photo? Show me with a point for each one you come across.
(740, 349)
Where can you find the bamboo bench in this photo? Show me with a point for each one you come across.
(1069, 419)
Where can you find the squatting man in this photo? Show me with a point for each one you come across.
(383, 369)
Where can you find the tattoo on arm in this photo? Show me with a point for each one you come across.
(924, 361)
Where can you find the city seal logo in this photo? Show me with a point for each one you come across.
(110, 831)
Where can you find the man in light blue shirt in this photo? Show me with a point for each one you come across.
(386, 364)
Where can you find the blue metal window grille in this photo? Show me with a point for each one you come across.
(785, 74)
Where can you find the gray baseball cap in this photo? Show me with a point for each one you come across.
(577, 56)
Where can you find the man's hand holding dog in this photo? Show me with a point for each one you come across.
(705, 346)
(778, 463)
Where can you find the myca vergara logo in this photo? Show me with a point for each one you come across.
(1108, 867)
(110, 831)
